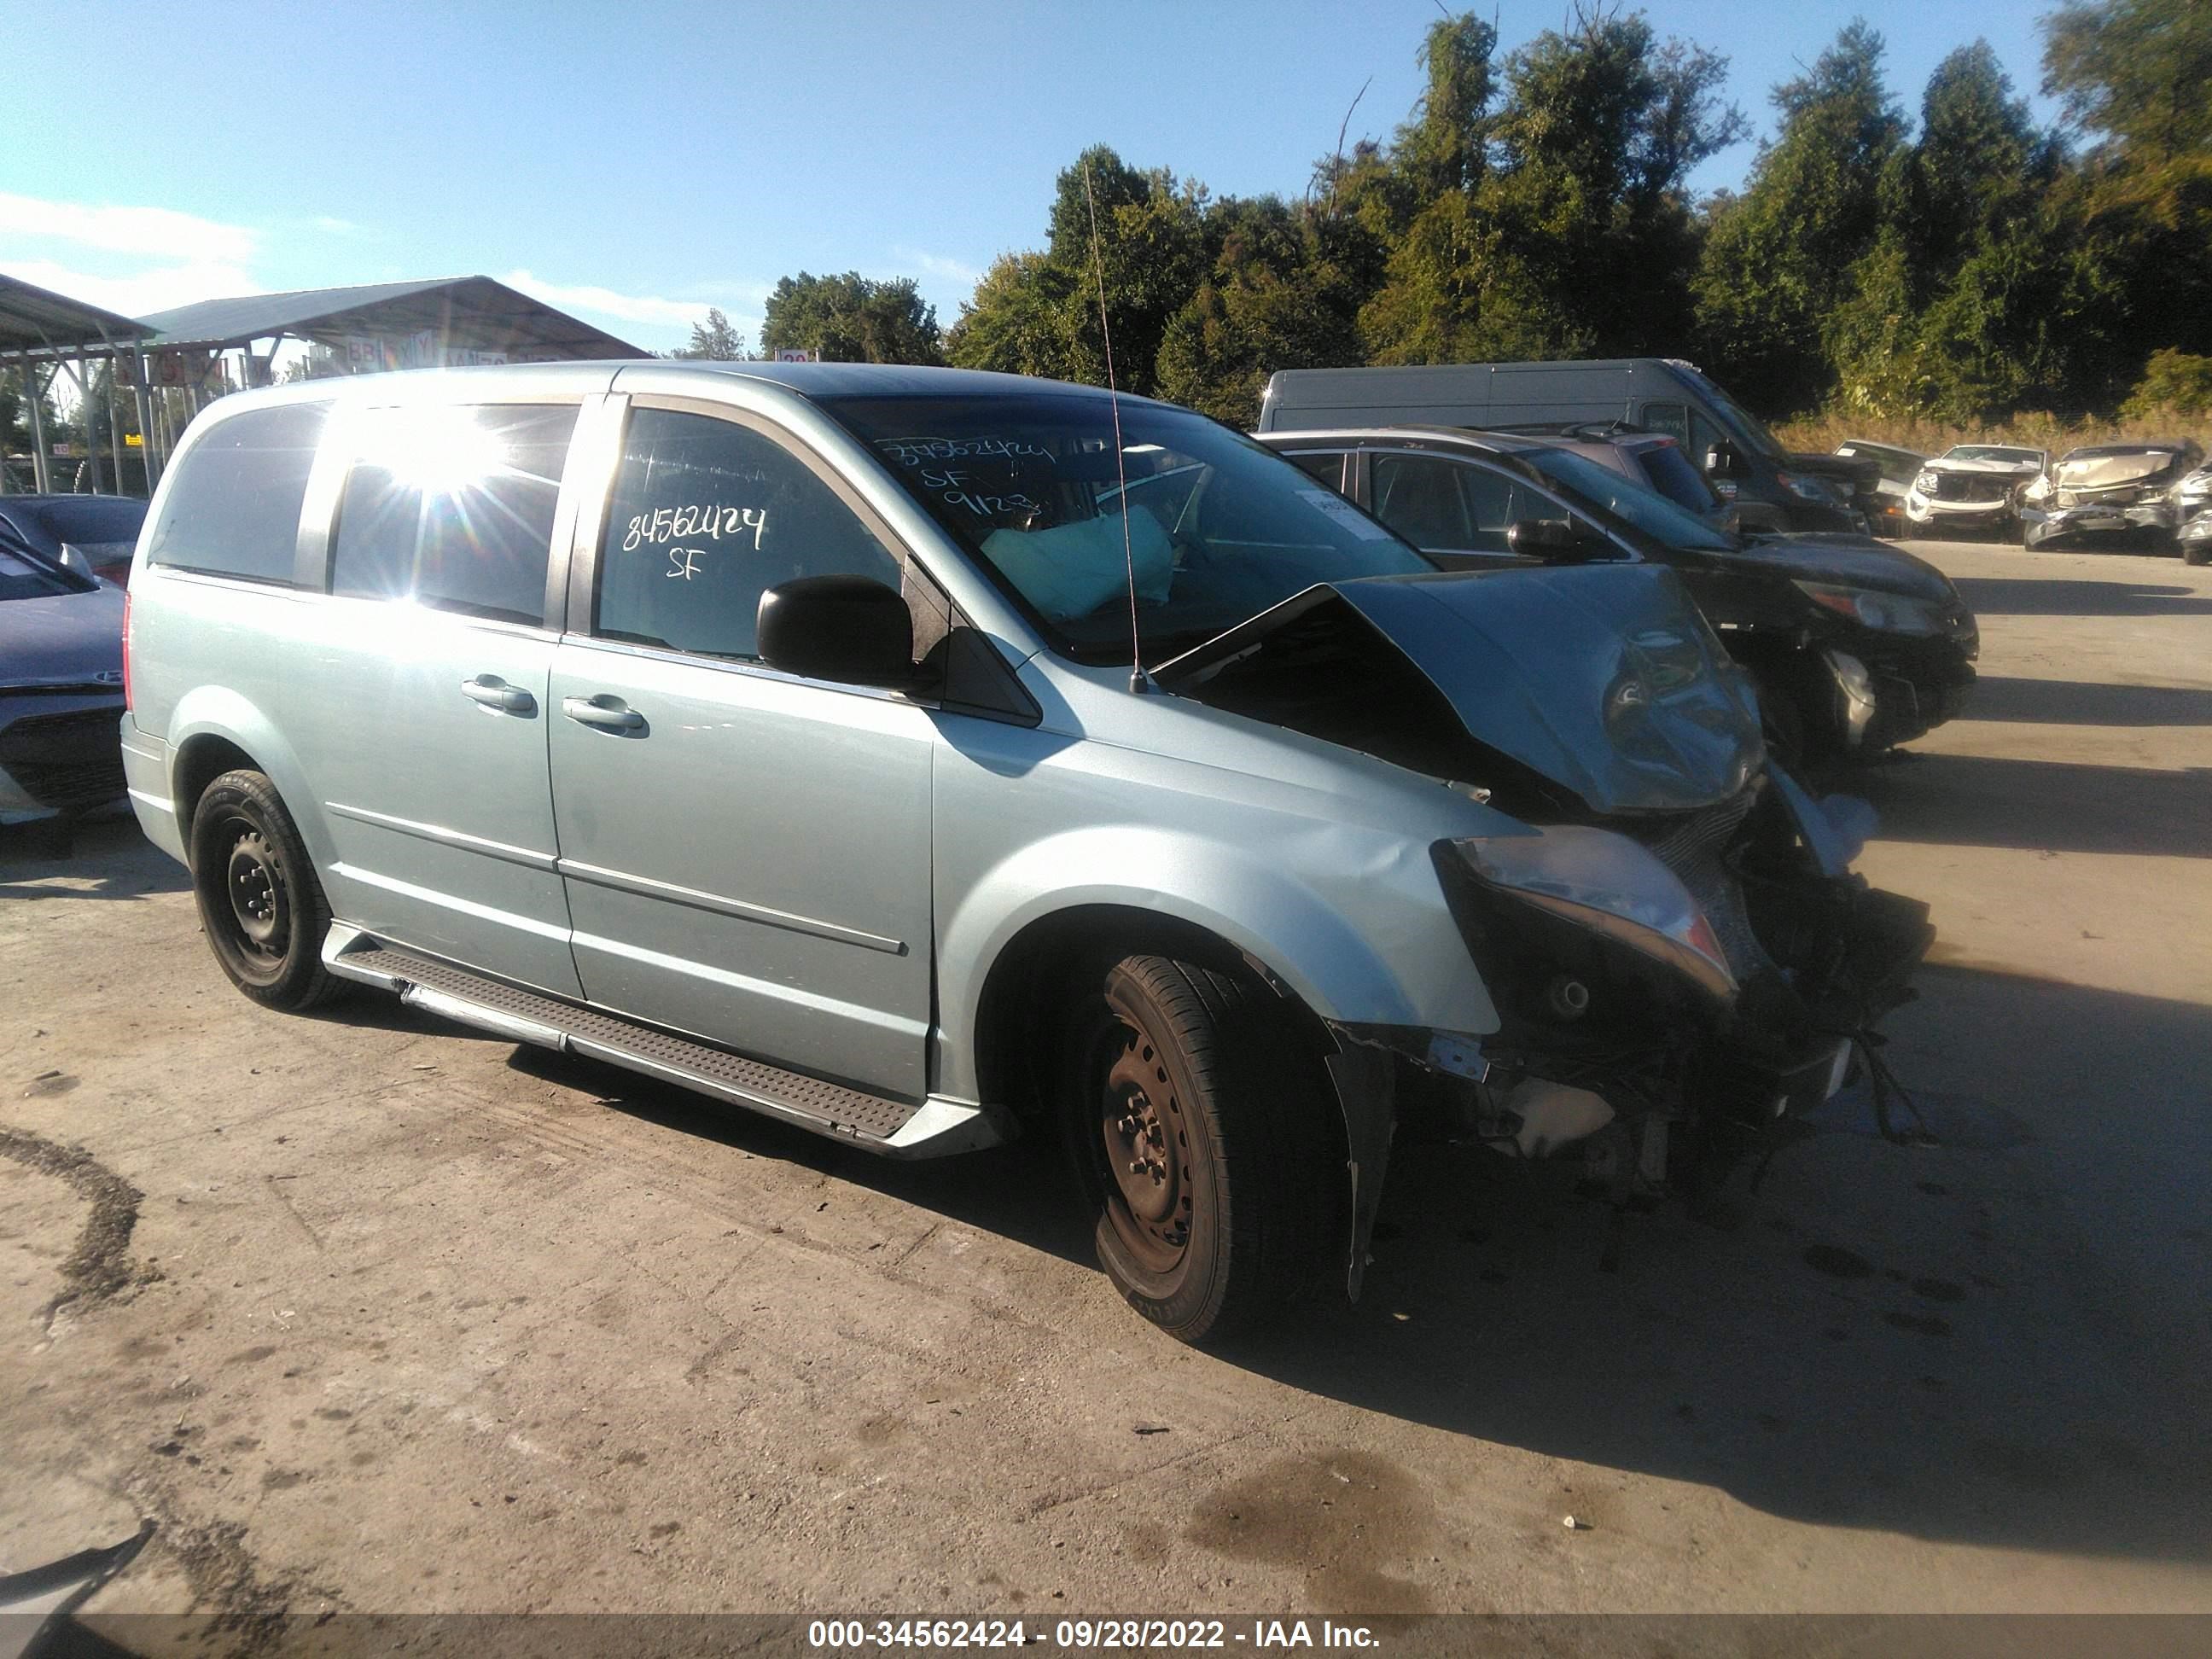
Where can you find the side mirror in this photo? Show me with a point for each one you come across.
(1547, 538)
(72, 558)
(849, 629)
(1721, 461)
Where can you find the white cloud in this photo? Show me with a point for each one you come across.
(937, 265)
(606, 302)
(144, 291)
(158, 232)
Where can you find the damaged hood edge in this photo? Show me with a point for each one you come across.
(1603, 679)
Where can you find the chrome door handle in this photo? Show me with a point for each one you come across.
(495, 693)
(613, 716)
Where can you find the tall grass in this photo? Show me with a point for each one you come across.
(1820, 434)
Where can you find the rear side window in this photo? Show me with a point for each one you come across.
(1325, 465)
(233, 508)
(452, 507)
(706, 516)
(1673, 477)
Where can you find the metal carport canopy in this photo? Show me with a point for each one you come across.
(470, 313)
(35, 322)
(43, 334)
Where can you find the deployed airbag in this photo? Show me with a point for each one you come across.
(1071, 570)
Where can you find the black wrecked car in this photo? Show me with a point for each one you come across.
(1856, 646)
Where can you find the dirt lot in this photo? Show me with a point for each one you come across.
(372, 1313)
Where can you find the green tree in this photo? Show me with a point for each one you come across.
(1949, 312)
(1039, 312)
(2135, 70)
(852, 318)
(712, 337)
(2174, 383)
(1778, 260)
(1276, 294)
(1555, 224)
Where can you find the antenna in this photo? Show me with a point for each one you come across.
(1138, 679)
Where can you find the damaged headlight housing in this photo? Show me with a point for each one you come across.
(1925, 483)
(1886, 613)
(1570, 901)
(1811, 487)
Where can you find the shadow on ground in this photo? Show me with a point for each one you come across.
(110, 855)
(1981, 800)
(2028, 596)
(1997, 1339)
(1022, 1191)
(2082, 703)
(1994, 1340)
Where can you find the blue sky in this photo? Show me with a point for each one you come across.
(639, 163)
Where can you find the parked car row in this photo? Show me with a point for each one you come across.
(2095, 489)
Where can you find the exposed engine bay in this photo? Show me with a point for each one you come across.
(1679, 954)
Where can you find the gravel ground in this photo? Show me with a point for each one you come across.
(372, 1313)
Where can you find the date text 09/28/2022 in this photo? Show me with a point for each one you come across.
(1258, 1635)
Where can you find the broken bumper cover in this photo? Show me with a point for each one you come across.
(1670, 1009)
(1891, 693)
(2098, 518)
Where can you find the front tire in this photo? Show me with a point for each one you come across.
(260, 905)
(1196, 1116)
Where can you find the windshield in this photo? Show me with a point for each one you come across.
(1607, 490)
(1994, 452)
(1748, 428)
(1219, 528)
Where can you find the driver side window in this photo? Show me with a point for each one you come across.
(706, 516)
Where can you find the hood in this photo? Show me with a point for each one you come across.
(2008, 469)
(1602, 679)
(1848, 561)
(62, 639)
(2103, 471)
(1863, 471)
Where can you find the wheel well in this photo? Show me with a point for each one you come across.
(1017, 1026)
(201, 760)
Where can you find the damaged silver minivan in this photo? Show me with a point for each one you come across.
(777, 730)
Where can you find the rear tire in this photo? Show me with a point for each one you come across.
(260, 905)
(2199, 552)
(1197, 1078)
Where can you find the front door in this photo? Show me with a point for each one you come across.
(745, 854)
(420, 698)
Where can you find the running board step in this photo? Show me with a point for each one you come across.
(897, 1129)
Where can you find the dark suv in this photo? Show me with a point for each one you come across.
(1856, 646)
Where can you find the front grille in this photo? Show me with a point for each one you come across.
(1971, 487)
(1695, 848)
(66, 761)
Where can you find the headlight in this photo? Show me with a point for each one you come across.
(1603, 885)
(1805, 487)
(1925, 483)
(1886, 613)
(2067, 498)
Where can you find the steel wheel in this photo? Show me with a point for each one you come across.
(263, 911)
(1147, 1149)
(255, 885)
